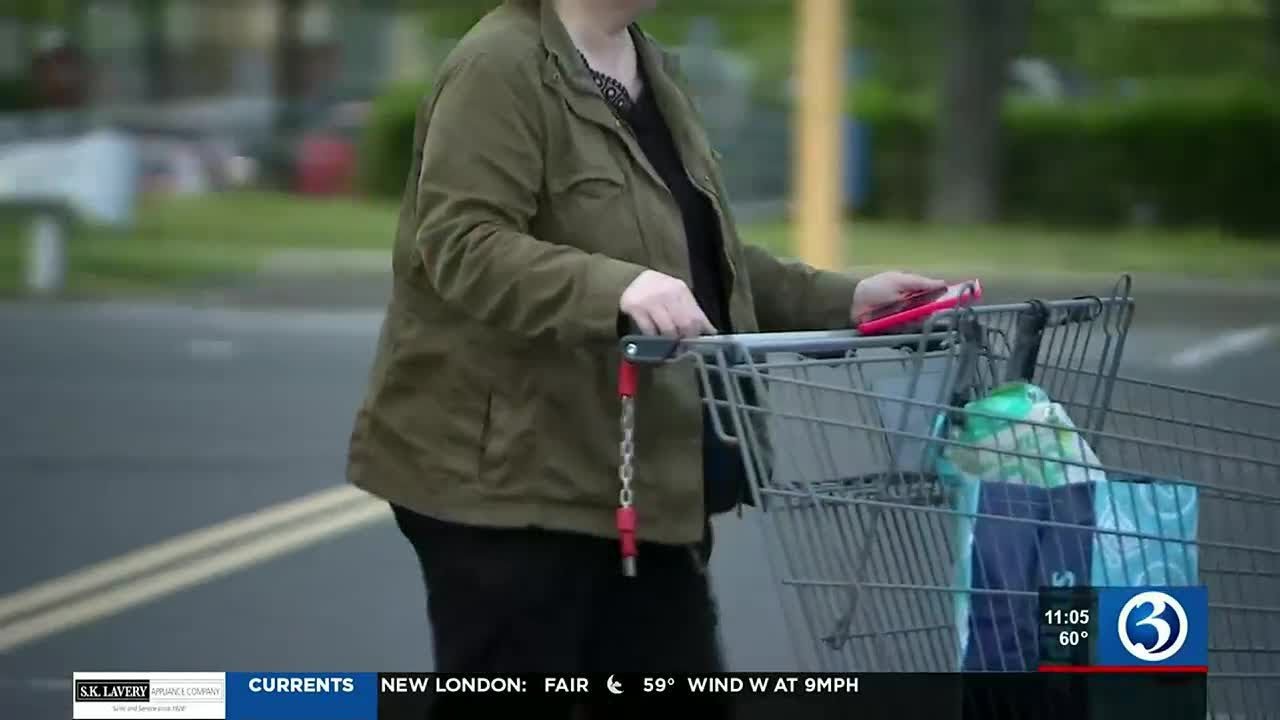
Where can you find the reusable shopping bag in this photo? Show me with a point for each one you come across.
(1166, 515)
(1048, 519)
(1016, 434)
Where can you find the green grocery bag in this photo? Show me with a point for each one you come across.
(1017, 434)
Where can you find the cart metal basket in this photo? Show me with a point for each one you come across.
(843, 437)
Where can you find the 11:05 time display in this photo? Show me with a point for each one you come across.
(1074, 616)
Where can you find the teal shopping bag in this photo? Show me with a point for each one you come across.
(1147, 530)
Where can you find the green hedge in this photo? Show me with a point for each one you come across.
(1202, 158)
(1196, 158)
(387, 149)
(15, 94)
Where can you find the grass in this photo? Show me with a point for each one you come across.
(202, 241)
(1012, 249)
(206, 241)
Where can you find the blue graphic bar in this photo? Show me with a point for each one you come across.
(302, 696)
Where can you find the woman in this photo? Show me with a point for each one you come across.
(563, 193)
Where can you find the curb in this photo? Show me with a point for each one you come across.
(300, 263)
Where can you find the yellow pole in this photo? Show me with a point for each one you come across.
(820, 101)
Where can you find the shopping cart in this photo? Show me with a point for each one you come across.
(871, 544)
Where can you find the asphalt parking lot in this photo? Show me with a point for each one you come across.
(126, 428)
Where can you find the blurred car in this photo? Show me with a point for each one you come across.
(185, 161)
(173, 166)
(326, 159)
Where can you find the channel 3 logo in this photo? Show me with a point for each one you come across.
(1154, 626)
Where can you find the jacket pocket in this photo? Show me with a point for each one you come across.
(485, 448)
(589, 198)
(507, 447)
(429, 425)
(585, 183)
(596, 213)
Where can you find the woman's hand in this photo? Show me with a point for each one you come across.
(662, 305)
(888, 287)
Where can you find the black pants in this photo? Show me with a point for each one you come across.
(534, 601)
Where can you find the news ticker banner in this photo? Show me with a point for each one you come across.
(400, 696)
(1140, 629)
(361, 696)
(1125, 633)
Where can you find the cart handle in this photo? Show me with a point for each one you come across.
(649, 349)
(738, 347)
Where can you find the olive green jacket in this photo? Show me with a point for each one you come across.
(493, 397)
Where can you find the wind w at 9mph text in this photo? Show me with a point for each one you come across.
(776, 684)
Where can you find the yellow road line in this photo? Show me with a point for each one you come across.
(155, 556)
(122, 597)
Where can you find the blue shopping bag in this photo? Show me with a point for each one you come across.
(1025, 537)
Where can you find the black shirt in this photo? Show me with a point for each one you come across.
(723, 473)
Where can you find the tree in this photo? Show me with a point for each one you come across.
(982, 38)
(290, 64)
(1273, 19)
(156, 51)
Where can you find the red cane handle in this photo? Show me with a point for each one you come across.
(626, 517)
(627, 379)
(627, 530)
